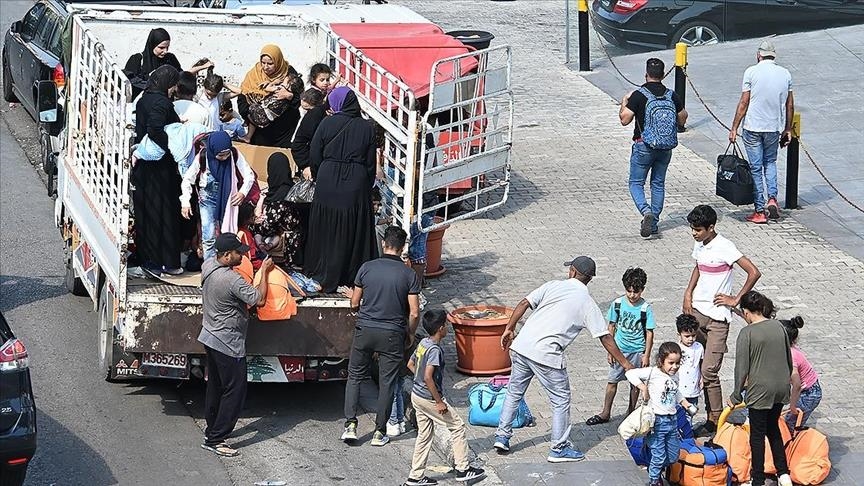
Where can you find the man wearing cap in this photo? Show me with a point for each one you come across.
(561, 309)
(226, 297)
(766, 107)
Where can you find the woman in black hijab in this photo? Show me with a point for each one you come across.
(155, 54)
(282, 220)
(342, 156)
(157, 183)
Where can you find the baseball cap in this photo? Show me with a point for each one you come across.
(585, 265)
(229, 241)
(766, 48)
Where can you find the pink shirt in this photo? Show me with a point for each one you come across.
(805, 369)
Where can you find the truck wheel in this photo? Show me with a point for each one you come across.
(106, 336)
(8, 95)
(49, 166)
(73, 283)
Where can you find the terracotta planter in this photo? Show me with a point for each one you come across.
(434, 245)
(478, 340)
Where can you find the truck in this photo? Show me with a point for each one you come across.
(414, 81)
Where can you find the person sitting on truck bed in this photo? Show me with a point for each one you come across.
(267, 78)
(280, 226)
(341, 234)
(156, 197)
(141, 65)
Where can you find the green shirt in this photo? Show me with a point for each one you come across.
(763, 365)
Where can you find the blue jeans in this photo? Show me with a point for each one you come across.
(417, 248)
(664, 443)
(807, 402)
(761, 148)
(642, 160)
(208, 200)
(557, 385)
(398, 413)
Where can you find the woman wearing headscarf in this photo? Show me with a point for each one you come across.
(157, 182)
(155, 54)
(269, 80)
(281, 221)
(224, 181)
(341, 222)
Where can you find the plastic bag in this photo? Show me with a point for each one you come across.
(302, 192)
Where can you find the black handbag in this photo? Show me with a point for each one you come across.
(734, 180)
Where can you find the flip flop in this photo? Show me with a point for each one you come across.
(596, 420)
(221, 450)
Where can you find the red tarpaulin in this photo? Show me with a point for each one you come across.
(407, 51)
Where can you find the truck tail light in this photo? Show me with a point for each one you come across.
(59, 76)
(629, 6)
(13, 356)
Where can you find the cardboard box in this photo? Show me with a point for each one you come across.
(256, 156)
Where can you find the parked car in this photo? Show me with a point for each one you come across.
(17, 410)
(661, 24)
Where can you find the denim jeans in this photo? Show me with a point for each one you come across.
(761, 148)
(417, 248)
(208, 200)
(644, 159)
(398, 413)
(664, 444)
(557, 385)
(807, 402)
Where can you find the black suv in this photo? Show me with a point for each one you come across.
(17, 410)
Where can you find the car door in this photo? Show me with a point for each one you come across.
(745, 18)
(806, 15)
(18, 47)
(38, 61)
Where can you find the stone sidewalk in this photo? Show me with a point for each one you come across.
(569, 197)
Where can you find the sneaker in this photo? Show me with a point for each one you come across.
(395, 430)
(784, 480)
(470, 474)
(656, 482)
(502, 444)
(350, 432)
(379, 439)
(705, 430)
(647, 225)
(424, 481)
(757, 217)
(566, 454)
(172, 271)
(773, 208)
(403, 427)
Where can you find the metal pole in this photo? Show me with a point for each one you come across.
(792, 164)
(584, 61)
(567, 31)
(681, 75)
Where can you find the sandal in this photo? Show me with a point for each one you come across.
(596, 420)
(221, 450)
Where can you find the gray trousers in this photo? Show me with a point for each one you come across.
(557, 386)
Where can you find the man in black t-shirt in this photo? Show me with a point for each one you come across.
(652, 150)
(386, 298)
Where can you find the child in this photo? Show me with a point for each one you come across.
(709, 299)
(660, 390)
(631, 323)
(806, 390)
(692, 352)
(432, 409)
(321, 78)
(230, 122)
(181, 141)
(312, 100)
(272, 106)
(212, 96)
(245, 218)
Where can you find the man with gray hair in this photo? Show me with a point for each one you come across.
(766, 107)
(561, 309)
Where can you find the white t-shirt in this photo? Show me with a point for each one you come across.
(562, 308)
(769, 86)
(715, 263)
(212, 107)
(689, 373)
(192, 112)
(663, 392)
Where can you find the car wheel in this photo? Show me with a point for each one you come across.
(49, 165)
(73, 283)
(106, 335)
(699, 33)
(8, 95)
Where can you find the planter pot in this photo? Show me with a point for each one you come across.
(434, 245)
(478, 339)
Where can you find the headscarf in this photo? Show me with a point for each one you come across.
(256, 77)
(279, 180)
(149, 61)
(221, 170)
(162, 79)
(343, 100)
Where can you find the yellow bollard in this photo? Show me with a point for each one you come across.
(681, 54)
(681, 75)
(792, 163)
(796, 125)
(583, 5)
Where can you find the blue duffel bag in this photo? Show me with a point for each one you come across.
(485, 402)
(639, 448)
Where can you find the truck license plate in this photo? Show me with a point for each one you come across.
(165, 360)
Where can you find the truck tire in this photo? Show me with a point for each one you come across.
(73, 283)
(8, 95)
(106, 336)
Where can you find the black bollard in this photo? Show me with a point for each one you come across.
(681, 76)
(584, 61)
(792, 164)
